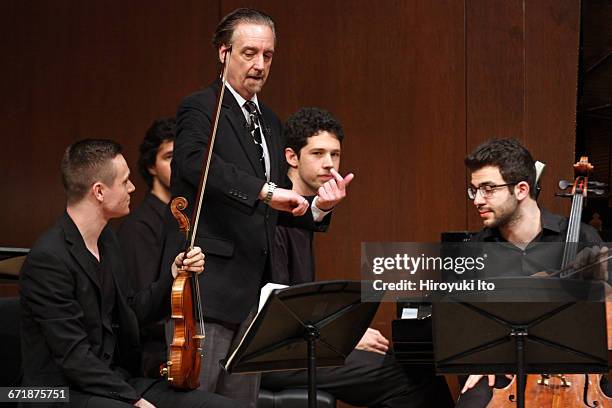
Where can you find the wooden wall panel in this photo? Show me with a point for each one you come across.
(495, 75)
(397, 85)
(417, 85)
(551, 82)
(88, 69)
(521, 82)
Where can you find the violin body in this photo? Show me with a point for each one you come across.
(185, 355)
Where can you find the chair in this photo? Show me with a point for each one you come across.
(293, 398)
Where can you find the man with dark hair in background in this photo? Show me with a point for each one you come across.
(503, 190)
(142, 234)
(246, 194)
(80, 318)
(370, 377)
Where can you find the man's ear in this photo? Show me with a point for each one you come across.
(223, 52)
(152, 170)
(292, 158)
(522, 190)
(97, 190)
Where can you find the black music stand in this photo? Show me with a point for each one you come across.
(304, 326)
(522, 337)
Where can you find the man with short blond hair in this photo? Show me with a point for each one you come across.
(80, 318)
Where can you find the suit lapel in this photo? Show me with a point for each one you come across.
(233, 112)
(79, 251)
(127, 318)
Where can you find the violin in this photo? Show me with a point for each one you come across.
(182, 369)
(565, 390)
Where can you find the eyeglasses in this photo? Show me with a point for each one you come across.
(486, 191)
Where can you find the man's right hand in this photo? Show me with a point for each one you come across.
(143, 403)
(373, 341)
(473, 380)
(286, 200)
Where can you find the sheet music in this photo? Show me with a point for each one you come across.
(264, 294)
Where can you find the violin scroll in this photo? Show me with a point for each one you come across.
(177, 206)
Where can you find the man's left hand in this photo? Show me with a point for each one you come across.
(333, 191)
(373, 341)
(593, 262)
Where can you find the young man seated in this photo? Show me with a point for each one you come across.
(502, 188)
(370, 376)
(80, 322)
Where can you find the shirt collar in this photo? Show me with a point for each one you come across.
(158, 205)
(240, 99)
(551, 223)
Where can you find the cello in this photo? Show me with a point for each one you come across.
(566, 390)
(182, 370)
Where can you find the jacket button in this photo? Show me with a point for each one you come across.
(264, 251)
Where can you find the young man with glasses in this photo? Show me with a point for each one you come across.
(503, 190)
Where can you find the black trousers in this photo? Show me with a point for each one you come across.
(368, 379)
(162, 395)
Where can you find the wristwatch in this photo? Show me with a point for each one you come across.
(271, 188)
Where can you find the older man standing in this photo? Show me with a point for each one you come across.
(243, 200)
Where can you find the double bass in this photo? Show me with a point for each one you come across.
(566, 390)
(182, 370)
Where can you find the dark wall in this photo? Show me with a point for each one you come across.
(416, 83)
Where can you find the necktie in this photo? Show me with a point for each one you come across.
(255, 130)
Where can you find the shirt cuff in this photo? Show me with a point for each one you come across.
(317, 213)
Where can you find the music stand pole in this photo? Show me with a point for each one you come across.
(519, 334)
(285, 332)
(311, 335)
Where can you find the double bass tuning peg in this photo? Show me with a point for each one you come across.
(594, 187)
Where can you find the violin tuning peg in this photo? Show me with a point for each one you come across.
(597, 184)
(596, 191)
(563, 184)
(563, 195)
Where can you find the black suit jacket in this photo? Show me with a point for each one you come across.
(142, 242)
(236, 230)
(62, 332)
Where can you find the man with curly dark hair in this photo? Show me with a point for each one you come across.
(370, 377)
(503, 190)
